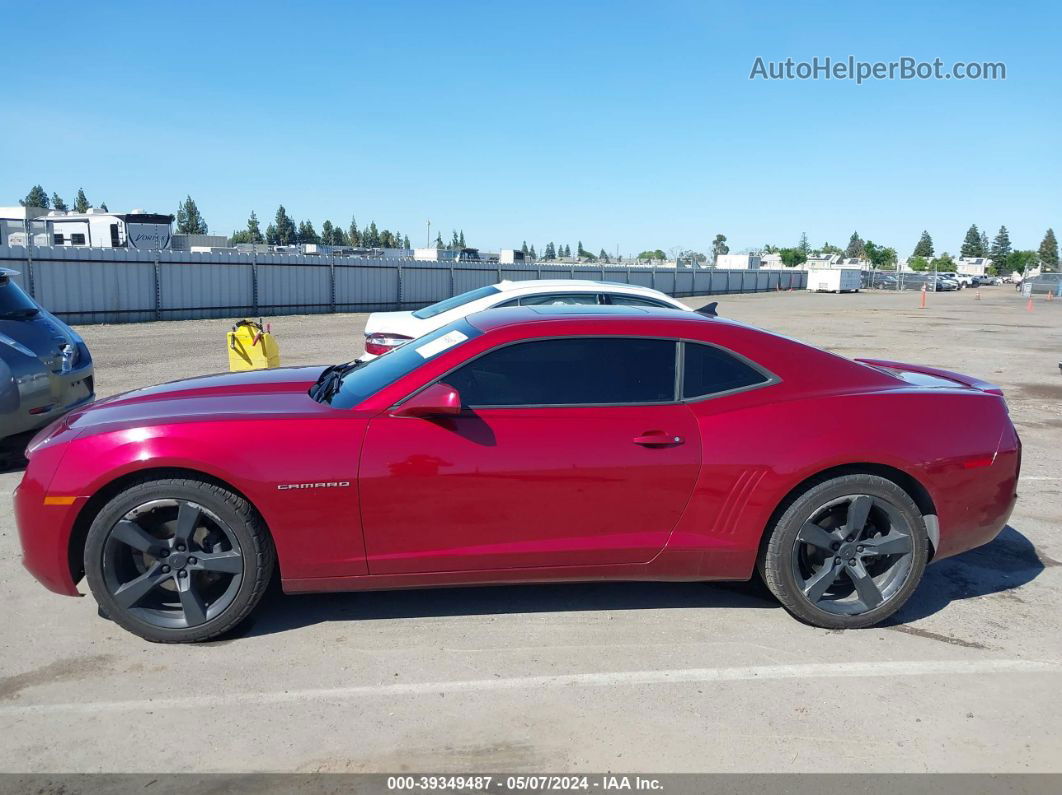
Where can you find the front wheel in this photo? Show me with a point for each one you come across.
(178, 561)
(847, 553)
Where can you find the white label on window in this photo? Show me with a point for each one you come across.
(438, 346)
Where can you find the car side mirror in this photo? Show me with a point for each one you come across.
(438, 400)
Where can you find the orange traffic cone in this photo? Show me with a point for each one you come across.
(1029, 306)
(923, 305)
(1050, 295)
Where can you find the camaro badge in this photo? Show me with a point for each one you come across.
(332, 484)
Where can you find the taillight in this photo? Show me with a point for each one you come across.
(380, 343)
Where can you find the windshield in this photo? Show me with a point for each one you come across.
(370, 377)
(14, 302)
(456, 301)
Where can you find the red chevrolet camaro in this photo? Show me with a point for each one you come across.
(536, 444)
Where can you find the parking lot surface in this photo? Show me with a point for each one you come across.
(622, 677)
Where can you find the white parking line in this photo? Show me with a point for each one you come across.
(605, 679)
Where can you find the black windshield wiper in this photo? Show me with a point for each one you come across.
(329, 381)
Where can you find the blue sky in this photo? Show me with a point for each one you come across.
(620, 124)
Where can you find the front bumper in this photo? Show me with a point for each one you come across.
(39, 396)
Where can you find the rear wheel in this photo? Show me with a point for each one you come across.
(178, 561)
(847, 553)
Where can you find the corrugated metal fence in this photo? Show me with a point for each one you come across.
(87, 285)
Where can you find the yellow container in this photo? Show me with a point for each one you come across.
(251, 347)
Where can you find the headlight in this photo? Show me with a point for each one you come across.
(18, 346)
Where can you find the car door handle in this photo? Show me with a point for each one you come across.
(657, 439)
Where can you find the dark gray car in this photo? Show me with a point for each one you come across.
(45, 367)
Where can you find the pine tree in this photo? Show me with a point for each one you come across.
(272, 236)
(524, 248)
(438, 241)
(1001, 249)
(580, 251)
(254, 232)
(455, 242)
(971, 244)
(856, 247)
(81, 203)
(924, 246)
(1049, 251)
(370, 238)
(805, 249)
(985, 245)
(603, 256)
(353, 234)
(405, 242)
(327, 236)
(37, 197)
(103, 206)
(58, 203)
(339, 237)
(307, 234)
(284, 232)
(461, 239)
(189, 220)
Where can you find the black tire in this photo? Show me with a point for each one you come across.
(853, 575)
(223, 569)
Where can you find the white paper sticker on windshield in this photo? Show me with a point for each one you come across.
(438, 346)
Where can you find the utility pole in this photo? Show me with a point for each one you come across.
(429, 233)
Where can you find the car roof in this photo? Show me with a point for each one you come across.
(507, 286)
(506, 317)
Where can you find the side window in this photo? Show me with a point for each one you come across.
(617, 299)
(58, 240)
(510, 302)
(571, 371)
(114, 236)
(708, 371)
(77, 239)
(559, 298)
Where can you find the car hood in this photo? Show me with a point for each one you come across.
(397, 323)
(42, 333)
(254, 394)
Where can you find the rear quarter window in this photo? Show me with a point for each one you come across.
(708, 370)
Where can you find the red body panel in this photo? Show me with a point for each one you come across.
(538, 494)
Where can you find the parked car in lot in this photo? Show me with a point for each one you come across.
(387, 330)
(1044, 283)
(532, 444)
(940, 283)
(45, 367)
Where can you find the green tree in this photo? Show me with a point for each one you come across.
(1001, 247)
(918, 263)
(603, 256)
(652, 254)
(856, 247)
(189, 220)
(532, 253)
(550, 253)
(239, 236)
(924, 246)
(524, 248)
(461, 239)
(1020, 261)
(254, 232)
(81, 203)
(971, 244)
(769, 249)
(828, 249)
(582, 252)
(353, 234)
(307, 234)
(719, 247)
(58, 203)
(272, 236)
(805, 249)
(880, 256)
(985, 245)
(327, 233)
(370, 237)
(439, 241)
(791, 257)
(284, 232)
(1049, 251)
(567, 251)
(37, 197)
(103, 206)
(944, 262)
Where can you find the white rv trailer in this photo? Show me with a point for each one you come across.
(99, 229)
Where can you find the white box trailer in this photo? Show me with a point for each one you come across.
(835, 280)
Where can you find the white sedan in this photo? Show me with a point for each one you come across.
(385, 331)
